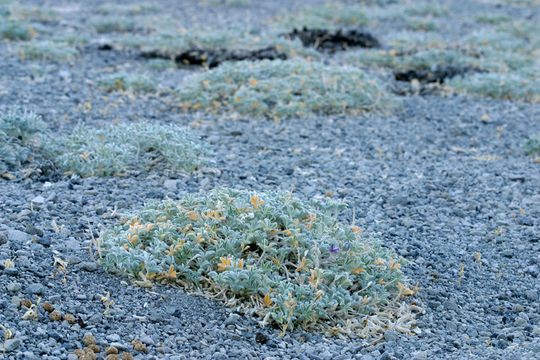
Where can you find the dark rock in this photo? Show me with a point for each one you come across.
(341, 39)
(105, 47)
(261, 338)
(214, 57)
(32, 230)
(524, 220)
(154, 54)
(88, 266)
(173, 310)
(45, 241)
(437, 74)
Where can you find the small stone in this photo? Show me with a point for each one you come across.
(89, 339)
(44, 241)
(12, 272)
(419, 355)
(517, 308)
(450, 305)
(55, 316)
(391, 335)
(126, 356)
(18, 236)
(232, 319)
(112, 357)
(111, 350)
(113, 338)
(170, 184)
(120, 346)
(70, 319)
(3, 238)
(138, 346)
(531, 295)
(147, 340)
(36, 289)
(261, 338)
(12, 345)
(38, 200)
(88, 266)
(13, 287)
(32, 230)
(65, 75)
(48, 307)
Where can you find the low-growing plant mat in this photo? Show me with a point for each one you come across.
(508, 87)
(532, 146)
(283, 89)
(330, 15)
(20, 133)
(15, 30)
(494, 63)
(140, 83)
(115, 149)
(171, 43)
(289, 262)
(47, 50)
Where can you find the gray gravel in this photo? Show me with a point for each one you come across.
(436, 181)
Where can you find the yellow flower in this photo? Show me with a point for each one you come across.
(404, 290)
(200, 239)
(357, 271)
(302, 265)
(193, 215)
(394, 264)
(255, 202)
(225, 263)
(267, 300)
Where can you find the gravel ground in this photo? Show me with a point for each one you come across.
(447, 187)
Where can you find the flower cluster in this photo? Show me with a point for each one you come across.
(290, 262)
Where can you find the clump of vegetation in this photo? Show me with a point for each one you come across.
(15, 30)
(160, 64)
(170, 44)
(47, 50)
(110, 24)
(125, 81)
(493, 18)
(116, 149)
(514, 86)
(328, 16)
(139, 9)
(407, 41)
(231, 2)
(420, 24)
(290, 262)
(20, 134)
(532, 146)
(425, 9)
(282, 89)
(36, 13)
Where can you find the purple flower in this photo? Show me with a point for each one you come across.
(334, 248)
(348, 245)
